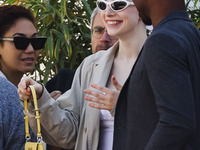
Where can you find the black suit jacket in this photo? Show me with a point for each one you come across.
(62, 81)
(159, 105)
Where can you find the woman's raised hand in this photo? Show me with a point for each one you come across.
(104, 98)
(25, 92)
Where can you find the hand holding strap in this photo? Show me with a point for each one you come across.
(37, 116)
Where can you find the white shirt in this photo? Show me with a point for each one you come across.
(106, 130)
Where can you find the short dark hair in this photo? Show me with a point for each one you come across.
(10, 14)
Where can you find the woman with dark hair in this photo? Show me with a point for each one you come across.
(17, 31)
(19, 49)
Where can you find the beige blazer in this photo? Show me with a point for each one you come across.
(69, 122)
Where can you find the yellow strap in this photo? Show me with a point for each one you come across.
(37, 115)
(26, 120)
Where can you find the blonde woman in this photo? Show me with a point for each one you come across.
(71, 121)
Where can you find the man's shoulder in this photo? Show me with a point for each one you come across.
(177, 24)
(66, 72)
(181, 32)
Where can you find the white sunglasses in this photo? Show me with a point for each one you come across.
(117, 5)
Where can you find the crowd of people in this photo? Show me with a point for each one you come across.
(135, 92)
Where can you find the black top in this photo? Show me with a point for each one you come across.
(62, 81)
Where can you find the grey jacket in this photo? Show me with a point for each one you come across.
(70, 122)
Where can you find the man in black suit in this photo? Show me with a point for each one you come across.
(159, 105)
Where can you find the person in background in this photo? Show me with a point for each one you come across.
(159, 106)
(19, 49)
(71, 120)
(100, 40)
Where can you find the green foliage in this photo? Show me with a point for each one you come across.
(194, 11)
(65, 23)
(66, 26)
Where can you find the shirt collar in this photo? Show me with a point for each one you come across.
(2, 75)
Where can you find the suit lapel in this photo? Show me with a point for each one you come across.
(103, 66)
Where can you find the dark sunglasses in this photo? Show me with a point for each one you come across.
(22, 43)
(117, 5)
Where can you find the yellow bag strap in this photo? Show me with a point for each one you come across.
(37, 116)
(26, 120)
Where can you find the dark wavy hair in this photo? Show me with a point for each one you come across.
(10, 14)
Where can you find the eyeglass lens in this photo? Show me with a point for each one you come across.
(118, 5)
(101, 5)
(98, 32)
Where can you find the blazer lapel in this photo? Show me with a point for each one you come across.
(103, 66)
